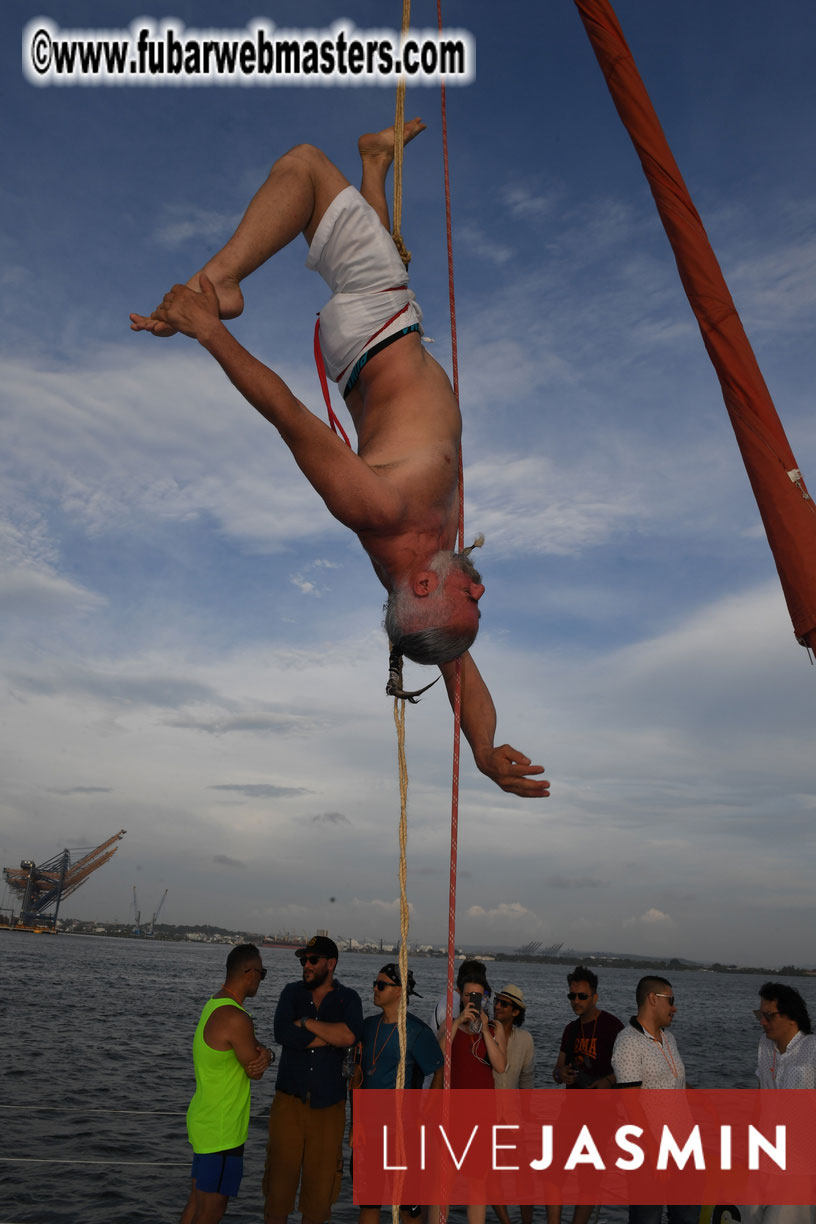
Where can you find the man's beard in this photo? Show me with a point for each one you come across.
(317, 979)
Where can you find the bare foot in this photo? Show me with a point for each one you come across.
(230, 304)
(379, 146)
(227, 290)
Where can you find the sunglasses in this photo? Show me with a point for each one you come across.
(311, 960)
(763, 1015)
(383, 985)
(665, 996)
(502, 1003)
(572, 995)
(255, 969)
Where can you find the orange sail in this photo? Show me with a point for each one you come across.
(787, 510)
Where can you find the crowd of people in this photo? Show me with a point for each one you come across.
(328, 1047)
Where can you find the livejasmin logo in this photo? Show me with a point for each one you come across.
(585, 1152)
(615, 1147)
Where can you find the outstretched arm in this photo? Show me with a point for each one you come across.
(509, 768)
(355, 494)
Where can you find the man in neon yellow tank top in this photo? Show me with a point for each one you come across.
(226, 1056)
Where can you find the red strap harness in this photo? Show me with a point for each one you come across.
(321, 368)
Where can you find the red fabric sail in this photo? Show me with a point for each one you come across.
(787, 511)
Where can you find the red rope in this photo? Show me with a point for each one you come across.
(457, 703)
(321, 373)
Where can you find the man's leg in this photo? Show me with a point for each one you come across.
(284, 1156)
(322, 1162)
(292, 201)
(204, 1208)
(645, 1215)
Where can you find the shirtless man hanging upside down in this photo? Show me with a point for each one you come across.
(399, 492)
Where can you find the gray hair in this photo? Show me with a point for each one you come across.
(429, 642)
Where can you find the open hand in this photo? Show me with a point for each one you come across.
(511, 770)
(149, 324)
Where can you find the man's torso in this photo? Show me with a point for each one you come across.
(794, 1068)
(637, 1057)
(588, 1047)
(381, 1052)
(218, 1114)
(409, 431)
(519, 1055)
(316, 1074)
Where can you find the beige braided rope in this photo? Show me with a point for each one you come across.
(399, 149)
(399, 705)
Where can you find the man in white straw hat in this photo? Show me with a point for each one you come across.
(509, 1010)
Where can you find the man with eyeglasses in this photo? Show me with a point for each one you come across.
(786, 1059)
(585, 1057)
(787, 1048)
(646, 1056)
(380, 1056)
(226, 1056)
(316, 1020)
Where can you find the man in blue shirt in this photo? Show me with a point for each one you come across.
(316, 1020)
(381, 1051)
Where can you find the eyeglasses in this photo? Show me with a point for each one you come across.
(255, 969)
(763, 1016)
(665, 996)
(572, 995)
(311, 960)
(381, 985)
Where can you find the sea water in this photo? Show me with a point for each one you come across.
(96, 1067)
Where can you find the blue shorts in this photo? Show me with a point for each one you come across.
(219, 1172)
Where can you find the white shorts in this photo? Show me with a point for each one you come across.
(357, 259)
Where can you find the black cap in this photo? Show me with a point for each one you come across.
(320, 945)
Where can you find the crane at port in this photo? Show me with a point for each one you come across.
(150, 928)
(48, 884)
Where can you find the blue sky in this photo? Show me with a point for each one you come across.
(191, 648)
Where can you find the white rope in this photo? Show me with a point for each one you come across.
(160, 1164)
(149, 1113)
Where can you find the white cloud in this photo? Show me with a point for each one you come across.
(479, 243)
(28, 592)
(511, 910)
(650, 918)
(185, 224)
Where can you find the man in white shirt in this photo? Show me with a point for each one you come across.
(787, 1048)
(646, 1056)
(786, 1059)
